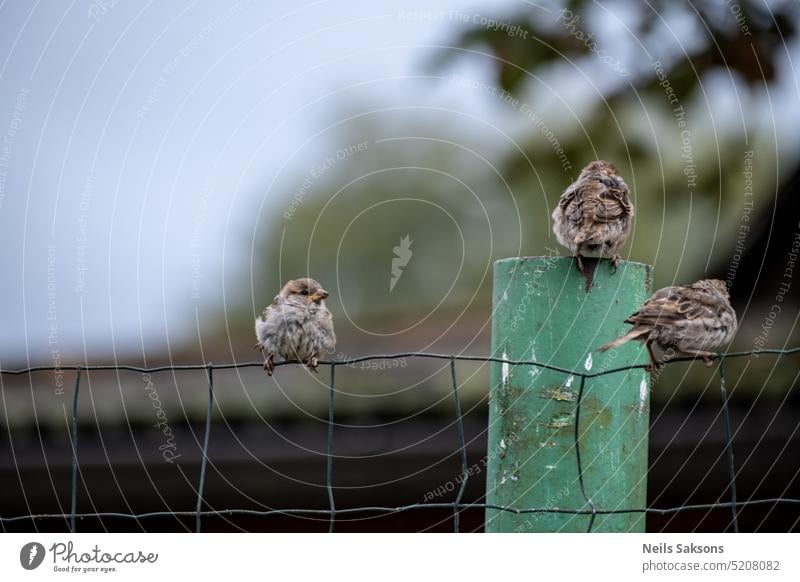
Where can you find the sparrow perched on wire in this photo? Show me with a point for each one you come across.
(686, 320)
(594, 215)
(297, 326)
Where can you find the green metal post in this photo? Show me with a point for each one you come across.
(543, 313)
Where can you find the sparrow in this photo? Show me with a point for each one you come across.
(296, 326)
(594, 215)
(687, 320)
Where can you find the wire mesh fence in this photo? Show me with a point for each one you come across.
(457, 506)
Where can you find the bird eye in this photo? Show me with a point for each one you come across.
(304, 292)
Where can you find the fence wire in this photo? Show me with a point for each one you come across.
(456, 506)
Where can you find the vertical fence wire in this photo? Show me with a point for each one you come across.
(204, 461)
(74, 446)
(578, 454)
(329, 471)
(728, 443)
(592, 512)
(462, 448)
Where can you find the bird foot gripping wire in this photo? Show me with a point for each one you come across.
(269, 364)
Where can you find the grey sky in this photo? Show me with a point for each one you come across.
(142, 137)
(138, 141)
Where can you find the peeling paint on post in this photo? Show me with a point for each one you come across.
(543, 313)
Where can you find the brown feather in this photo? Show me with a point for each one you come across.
(632, 334)
(688, 319)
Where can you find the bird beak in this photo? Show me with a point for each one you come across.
(319, 296)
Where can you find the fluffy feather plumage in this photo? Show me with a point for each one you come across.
(690, 320)
(297, 326)
(594, 215)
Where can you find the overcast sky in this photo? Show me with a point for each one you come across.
(138, 140)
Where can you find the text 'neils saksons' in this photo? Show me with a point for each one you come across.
(664, 548)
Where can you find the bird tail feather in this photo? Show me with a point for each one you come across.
(632, 334)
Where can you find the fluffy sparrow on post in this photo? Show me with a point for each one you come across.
(297, 326)
(687, 320)
(594, 215)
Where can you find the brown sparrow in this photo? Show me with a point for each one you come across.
(686, 320)
(594, 215)
(297, 326)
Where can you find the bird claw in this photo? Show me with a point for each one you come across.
(312, 365)
(707, 357)
(614, 263)
(269, 365)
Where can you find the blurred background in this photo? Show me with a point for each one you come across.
(165, 168)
